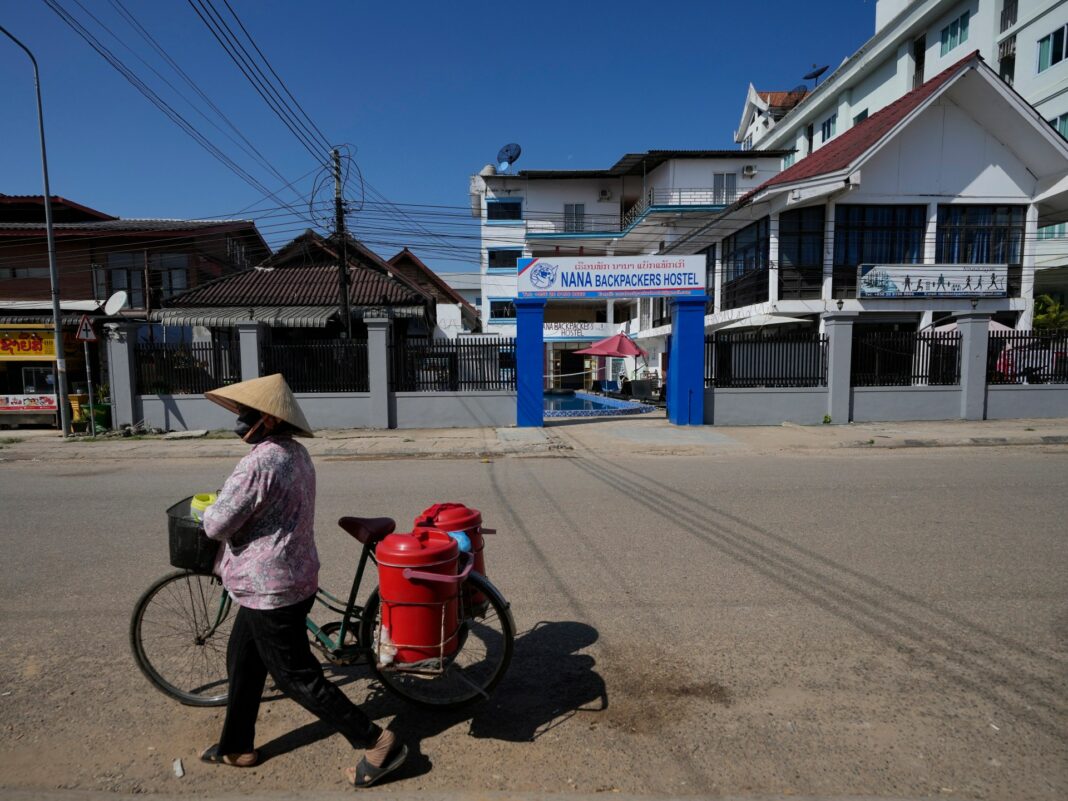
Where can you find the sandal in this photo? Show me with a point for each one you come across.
(213, 757)
(365, 774)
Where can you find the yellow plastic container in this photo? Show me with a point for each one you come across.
(199, 503)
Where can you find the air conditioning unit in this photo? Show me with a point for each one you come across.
(604, 195)
(749, 171)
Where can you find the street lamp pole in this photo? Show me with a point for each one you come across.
(53, 273)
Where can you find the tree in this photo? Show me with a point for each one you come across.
(1049, 313)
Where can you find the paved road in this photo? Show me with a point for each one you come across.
(823, 624)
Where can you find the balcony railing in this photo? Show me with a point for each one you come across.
(746, 290)
(1009, 14)
(562, 223)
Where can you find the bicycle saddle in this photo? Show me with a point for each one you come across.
(368, 530)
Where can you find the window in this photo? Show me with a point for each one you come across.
(875, 235)
(956, 33)
(1051, 49)
(919, 58)
(126, 271)
(1060, 124)
(827, 129)
(504, 210)
(801, 253)
(980, 235)
(747, 143)
(23, 272)
(502, 310)
(170, 271)
(575, 217)
(503, 258)
(860, 117)
(809, 134)
(745, 266)
(724, 187)
(788, 161)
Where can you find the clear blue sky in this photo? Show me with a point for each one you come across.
(427, 91)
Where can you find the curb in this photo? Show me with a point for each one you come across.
(962, 442)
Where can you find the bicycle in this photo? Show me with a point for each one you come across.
(181, 624)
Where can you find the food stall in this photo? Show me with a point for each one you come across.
(27, 391)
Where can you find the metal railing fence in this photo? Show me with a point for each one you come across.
(905, 358)
(453, 365)
(185, 368)
(334, 365)
(1027, 357)
(738, 360)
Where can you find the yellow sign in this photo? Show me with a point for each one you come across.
(27, 344)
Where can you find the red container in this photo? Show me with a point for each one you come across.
(418, 582)
(457, 517)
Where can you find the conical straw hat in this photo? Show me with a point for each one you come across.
(270, 395)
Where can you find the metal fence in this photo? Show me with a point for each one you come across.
(185, 368)
(1027, 357)
(905, 358)
(758, 360)
(453, 365)
(335, 365)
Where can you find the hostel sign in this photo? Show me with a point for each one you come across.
(932, 280)
(611, 277)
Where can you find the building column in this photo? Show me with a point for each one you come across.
(248, 338)
(773, 257)
(530, 362)
(122, 375)
(686, 365)
(828, 252)
(930, 237)
(974, 330)
(378, 370)
(717, 280)
(610, 312)
(1027, 281)
(839, 330)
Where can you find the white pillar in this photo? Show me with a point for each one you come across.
(773, 257)
(828, 252)
(930, 237)
(610, 312)
(717, 282)
(1027, 287)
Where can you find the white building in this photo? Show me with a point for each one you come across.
(947, 186)
(634, 207)
(467, 285)
(1024, 41)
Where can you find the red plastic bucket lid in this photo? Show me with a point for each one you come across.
(421, 548)
(450, 517)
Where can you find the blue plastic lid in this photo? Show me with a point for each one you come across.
(462, 540)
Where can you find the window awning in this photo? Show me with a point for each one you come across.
(276, 316)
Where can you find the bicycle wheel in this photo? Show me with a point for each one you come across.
(178, 634)
(487, 637)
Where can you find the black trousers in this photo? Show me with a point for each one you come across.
(275, 641)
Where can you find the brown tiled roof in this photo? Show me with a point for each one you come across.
(304, 273)
(783, 100)
(413, 268)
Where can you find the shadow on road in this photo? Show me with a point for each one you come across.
(548, 683)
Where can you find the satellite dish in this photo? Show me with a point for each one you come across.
(115, 303)
(508, 155)
(815, 74)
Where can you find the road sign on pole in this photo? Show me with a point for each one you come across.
(85, 330)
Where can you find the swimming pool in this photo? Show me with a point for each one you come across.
(582, 404)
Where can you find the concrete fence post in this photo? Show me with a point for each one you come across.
(839, 328)
(974, 337)
(122, 377)
(248, 337)
(378, 370)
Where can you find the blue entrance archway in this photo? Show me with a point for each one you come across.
(681, 278)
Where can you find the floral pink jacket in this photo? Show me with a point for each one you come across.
(265, 514)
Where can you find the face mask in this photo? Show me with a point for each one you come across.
(246, 421)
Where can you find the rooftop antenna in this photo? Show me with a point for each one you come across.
(815, 73)
(507, 156)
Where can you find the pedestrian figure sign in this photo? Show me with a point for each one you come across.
(85, 330)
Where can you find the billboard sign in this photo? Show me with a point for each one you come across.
(932, 280)
(27, 344)
(611, 277)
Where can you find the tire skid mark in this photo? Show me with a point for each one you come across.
(937, 651)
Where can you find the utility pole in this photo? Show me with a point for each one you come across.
(53, 273)
(342, 247)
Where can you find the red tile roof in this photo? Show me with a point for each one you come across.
(413, 268)
(843, 150)
(783, 99)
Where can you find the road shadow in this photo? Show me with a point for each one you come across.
(548, 682)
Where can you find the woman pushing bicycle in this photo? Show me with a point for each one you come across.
(265, 514)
